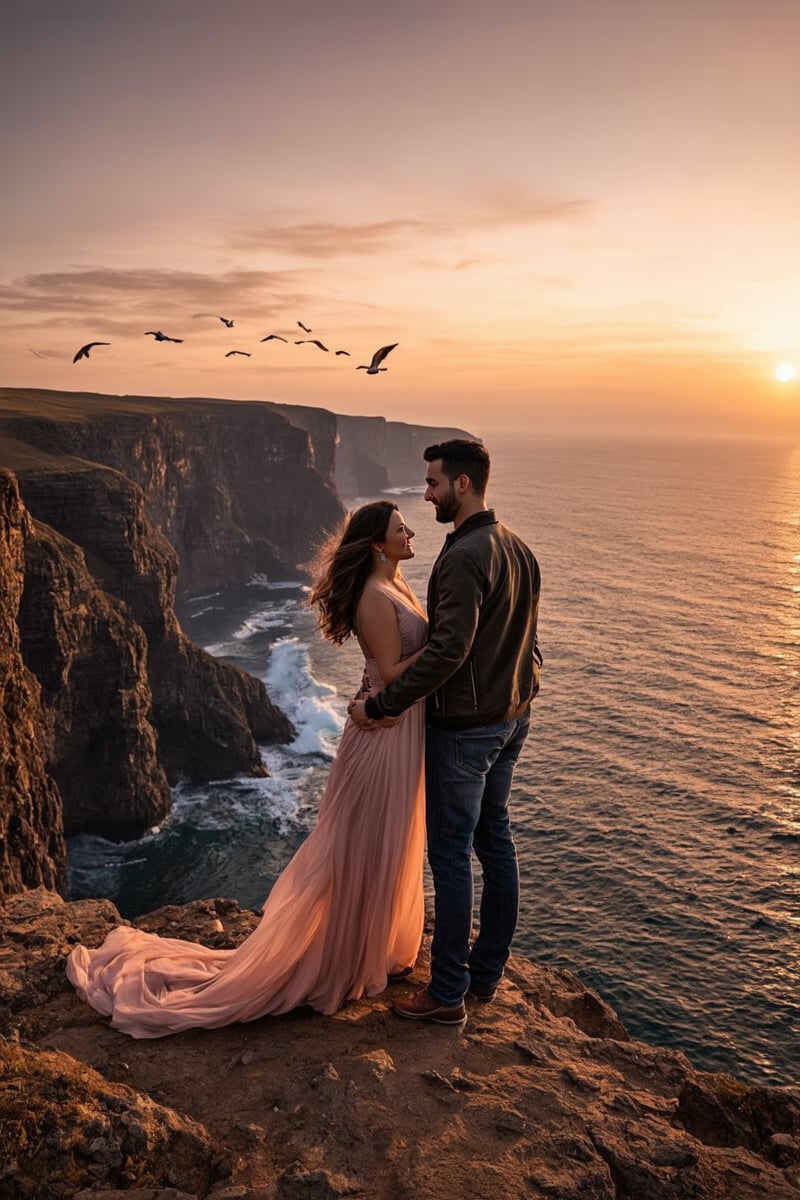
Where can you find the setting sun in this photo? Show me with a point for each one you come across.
(785, 372)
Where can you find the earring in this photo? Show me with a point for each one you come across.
(382, 556)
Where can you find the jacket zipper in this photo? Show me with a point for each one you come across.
(474, 683)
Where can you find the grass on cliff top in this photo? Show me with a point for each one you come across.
(78, 406)
(20, 456)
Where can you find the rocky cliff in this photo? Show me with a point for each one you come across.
(233, 487)
(365, 455)
(112, 507)
(541, 1095)
(32, 850)
(373, 454)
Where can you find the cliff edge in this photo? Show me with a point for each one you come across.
(542, 1094)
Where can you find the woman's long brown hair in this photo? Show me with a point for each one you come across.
(345, 563)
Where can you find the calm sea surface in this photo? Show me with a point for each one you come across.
(657, 805)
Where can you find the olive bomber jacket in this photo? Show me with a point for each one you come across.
(481, 663)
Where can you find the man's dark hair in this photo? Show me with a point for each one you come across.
(462, 457)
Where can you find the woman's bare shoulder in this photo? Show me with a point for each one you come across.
(374, 599)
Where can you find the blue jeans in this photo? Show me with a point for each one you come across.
(468, 776)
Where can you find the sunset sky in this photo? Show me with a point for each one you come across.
(571, 216)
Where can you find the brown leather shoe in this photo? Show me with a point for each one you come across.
(423, 1007)
(399, 976)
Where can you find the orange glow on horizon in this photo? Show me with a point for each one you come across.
(584, 278)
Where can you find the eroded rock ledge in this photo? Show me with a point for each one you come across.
(543, 1094)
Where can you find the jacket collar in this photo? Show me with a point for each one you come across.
(477, 519)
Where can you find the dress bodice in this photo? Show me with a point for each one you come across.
(413, 634)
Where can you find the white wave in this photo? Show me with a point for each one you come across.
(306, 701)
(90, 851)
(275, 585)
(225, 803)
(410, 490)
(219, 649)
(197, 599)
(270, 617)
(257, 624)
(208, 608)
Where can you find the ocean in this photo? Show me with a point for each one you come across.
(656, 807)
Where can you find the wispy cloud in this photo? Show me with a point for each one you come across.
(139, 294)
(504, 208)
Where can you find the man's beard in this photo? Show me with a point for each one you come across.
(447, 509)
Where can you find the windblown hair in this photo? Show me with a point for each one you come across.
(345, 563)
(462, 457)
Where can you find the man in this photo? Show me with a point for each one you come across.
(479, 672)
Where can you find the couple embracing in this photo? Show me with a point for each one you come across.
(432, 743)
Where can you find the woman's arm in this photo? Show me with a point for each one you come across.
(379, 631)
(461, 581)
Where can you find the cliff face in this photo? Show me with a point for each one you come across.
(372, 453)
(321, 426)
(32, 851)
(235, 488)
(131, 702)
(364, 455)
(90, 658)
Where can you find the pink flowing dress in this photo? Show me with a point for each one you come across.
(347, 910)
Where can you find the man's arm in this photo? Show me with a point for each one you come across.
(459, 597)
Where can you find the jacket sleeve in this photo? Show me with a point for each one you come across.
(461, 586)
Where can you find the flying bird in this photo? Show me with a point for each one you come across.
(160, 337)
(225, 321)
(347, 352)
(312, 342)
(246, 353)
(84, 350)
(377, 359)
(277, 336)
(304, 327)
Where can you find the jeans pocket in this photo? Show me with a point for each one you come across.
(477, 749)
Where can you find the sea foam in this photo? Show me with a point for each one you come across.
(308, 703)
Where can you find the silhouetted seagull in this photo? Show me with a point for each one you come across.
(304, 327)
(311, 342)
(84, 350)
(347, 352)
(160, 337)
(225, 321)
(277, 336)
(377, 359)
(246, 353)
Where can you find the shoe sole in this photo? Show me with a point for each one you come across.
(399, 1012)
(399, 976)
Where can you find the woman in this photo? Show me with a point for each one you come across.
(347, 912)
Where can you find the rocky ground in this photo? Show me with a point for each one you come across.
(542, 1094)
